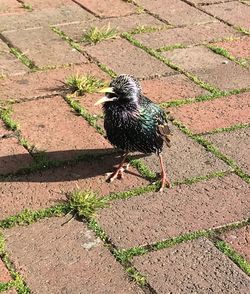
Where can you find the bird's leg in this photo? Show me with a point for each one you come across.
(164, 179)
(119, 171)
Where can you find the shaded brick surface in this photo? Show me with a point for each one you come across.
(186, 35)
(71, 252)
(156, 216)
(235, 144)
(235, 13)
(123, 57)
(58, 129)
(209, 115)
(178, 158)
(46, 188)
(209, 66)
(192, 267)
(238, 48)
(10, 6)
(50, 82)
(44, 47)
(108, 8)
(13, 156)
(121, 24)
(186, 14)
(9, 65)
(240, 241)
(4, 273)
(171, 88)
(45, 17)
(3, 130)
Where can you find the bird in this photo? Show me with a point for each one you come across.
(134, 123)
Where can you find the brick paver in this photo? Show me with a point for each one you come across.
(57, 131)
(153, 217)
(171, 88)
(239, 239)
(194, 267)
(177, 158)
(108, 8)
(209, 115)
(57, 257)
(209, 66)
(47, 83)
(44, 47)
(66, 258)
(4, 273)
(45, 17)
(238, 48)
(13, 156)
(186, 14)
(43, 189)
(10, 6)
(123, 57)
(121, 24)
(235, 13)
(9, 65)
(187, 35)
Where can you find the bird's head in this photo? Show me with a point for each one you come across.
(123, 89)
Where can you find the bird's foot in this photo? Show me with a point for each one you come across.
(118, 174)
(164, 183)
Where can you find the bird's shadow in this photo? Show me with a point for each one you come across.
(66, 165)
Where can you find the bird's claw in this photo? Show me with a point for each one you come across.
(118, 174)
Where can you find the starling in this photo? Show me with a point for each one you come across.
(133, 122)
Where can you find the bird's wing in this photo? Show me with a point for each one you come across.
(160, 118)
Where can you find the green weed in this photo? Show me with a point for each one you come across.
(95, 35)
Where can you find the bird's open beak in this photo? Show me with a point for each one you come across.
(106, 90)
(105, 99)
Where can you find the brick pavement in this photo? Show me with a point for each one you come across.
(193, 59)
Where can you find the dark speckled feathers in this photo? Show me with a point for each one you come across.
(132, 121)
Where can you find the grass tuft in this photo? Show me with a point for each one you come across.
(5, 115)
(95, 35)
(171, 47)
(136, 276)
(85, 203)
(233, 255)
(27, 6)
(147, 29)
(23, 58)
(125, 255)
(81, 84)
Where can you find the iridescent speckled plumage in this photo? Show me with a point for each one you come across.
(132, 121)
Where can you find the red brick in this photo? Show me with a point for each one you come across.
(108, 8)
(192, 267)
(186, 14)
(157, 216)
(235, 144)
(13, 156)
(45, 17)
(235, 13)
(239, 48)
(209, 66)
(46, 83)
(170, 88)
(44, 47)
(46, 188)
(52, 126)
(3, 130)
(67, 259)
(186, 35)
(42, 4)
(121, 24)
(11, 291)
(222, 112)
(239, 239)
(9, 65)
(10, 7)
(123, 57)
(177, 158)
(4, 273)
